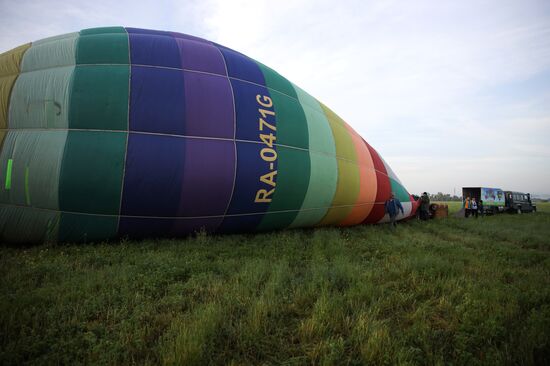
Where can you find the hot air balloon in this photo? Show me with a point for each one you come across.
(124, 132)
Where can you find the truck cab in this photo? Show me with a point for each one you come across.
(519, 202)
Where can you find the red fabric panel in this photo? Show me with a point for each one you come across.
(384, 188)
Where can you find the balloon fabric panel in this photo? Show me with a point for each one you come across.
(97, 49)
(91, 172)
(383, 187)
(99, 99)
(367, 185)
(208, 106)
(153, 175)
(113, 132)
(154, 50)
(157, 100)
(200, 56)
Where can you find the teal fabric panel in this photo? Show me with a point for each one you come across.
(40, 99)
(99, 98)
(27, 225)
(91, 172)
(80, 228)
(321, 189)
(103, 49)
(50, 52)
(324, 167)
(102, 30)
(36, 157)
(399, 191)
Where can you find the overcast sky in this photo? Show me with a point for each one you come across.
(451, 93)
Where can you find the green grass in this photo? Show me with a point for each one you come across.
(450, 291)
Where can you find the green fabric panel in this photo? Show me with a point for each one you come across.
(399, 191)
(40, 99)
(291, 121)
(27, 225)
(103, 49)
(324, 167)
(346, 194)
(293, 168)
(99, 98)
(321, 190)
(91, 172)
(50, 52)
(9, 70)
(320, 133)
(41, 152)
(345, 148)
(276, 81)
(102, 30)
(86, 228)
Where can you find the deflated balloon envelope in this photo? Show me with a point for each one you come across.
(114, 132)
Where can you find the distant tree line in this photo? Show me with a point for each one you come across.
(439, 196)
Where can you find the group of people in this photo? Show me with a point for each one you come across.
(393, 206)
(472, 207)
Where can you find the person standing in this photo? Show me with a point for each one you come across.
(392, 206)
(467, 207)
(473, 207)
(424, 206)
(480, 208)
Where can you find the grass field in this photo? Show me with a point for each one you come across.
(450, 291)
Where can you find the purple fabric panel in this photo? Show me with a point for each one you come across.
(208, 180)
(189, 37)
(200, 56)
(208, 106)
(184, 227)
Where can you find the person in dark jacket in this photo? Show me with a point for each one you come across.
(392, 207)
(480, 207)
(424, 206)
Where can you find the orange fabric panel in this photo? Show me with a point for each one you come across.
(367, 186)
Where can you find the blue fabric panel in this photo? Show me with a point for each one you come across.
(241, 67)
(144, 227)
(154, 50)
(240, 224)
(246, 110)
(154, 175)
(148, 31)
(157, 100)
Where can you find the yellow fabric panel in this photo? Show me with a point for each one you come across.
(9, 70)
(6, 85)
(10, 61)
(346, 194)
(345, 148)
(2, 136)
